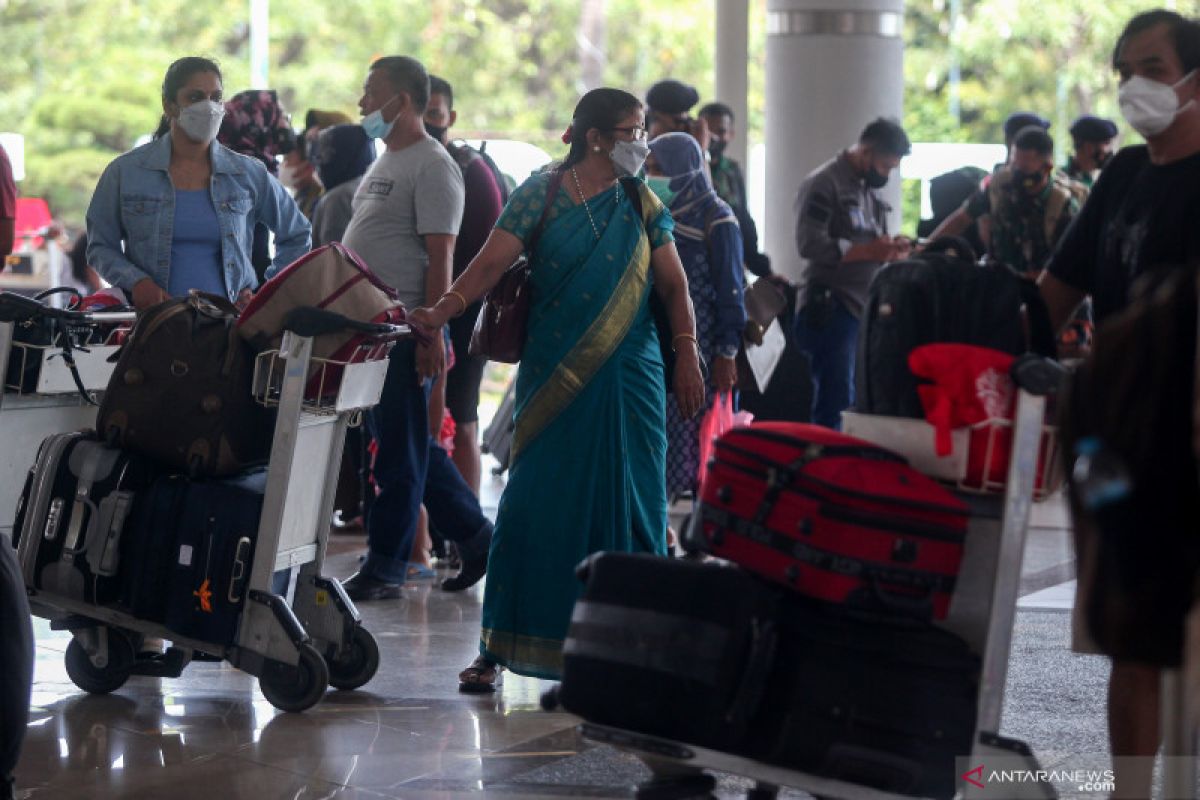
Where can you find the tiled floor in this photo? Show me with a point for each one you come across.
(408, 733)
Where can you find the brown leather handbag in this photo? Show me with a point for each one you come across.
(503, 321)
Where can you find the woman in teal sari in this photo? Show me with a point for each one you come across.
(590, 442)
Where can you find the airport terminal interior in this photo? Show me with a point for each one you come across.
(409, 733)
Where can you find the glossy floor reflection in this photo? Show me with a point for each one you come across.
(410, 734)
(210, 733)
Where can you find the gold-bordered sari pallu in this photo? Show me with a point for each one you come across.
(589, 443)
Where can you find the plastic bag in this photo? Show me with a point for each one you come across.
(717, 420)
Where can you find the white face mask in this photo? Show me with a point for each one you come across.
(628, 157)
(1149, 106)
(201, 120)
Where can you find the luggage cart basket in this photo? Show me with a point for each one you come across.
(39, 395)
(982, 612)
(295, 650)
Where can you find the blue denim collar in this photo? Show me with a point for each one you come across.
(158, 156)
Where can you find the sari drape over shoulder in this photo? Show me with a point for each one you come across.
(589, 443)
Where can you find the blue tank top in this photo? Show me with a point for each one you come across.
(196, 246)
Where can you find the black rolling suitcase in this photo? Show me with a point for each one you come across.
(938, 297)
(216, 527)
(879, 701)
(73, 516)
(668, 647)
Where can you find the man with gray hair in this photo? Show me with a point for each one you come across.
(406, 214)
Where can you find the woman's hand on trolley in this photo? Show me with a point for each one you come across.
(428, 319)
(146, 293)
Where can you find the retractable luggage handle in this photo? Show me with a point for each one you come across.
(1035, 378)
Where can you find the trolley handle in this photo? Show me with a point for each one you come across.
(311, 321)
(19, 308)
(1038, 375)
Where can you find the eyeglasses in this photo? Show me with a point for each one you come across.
(635, 132)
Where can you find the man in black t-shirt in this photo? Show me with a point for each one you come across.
(1143, 212)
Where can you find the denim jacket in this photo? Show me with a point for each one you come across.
(132, 213)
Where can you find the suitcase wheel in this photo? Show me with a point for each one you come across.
(299, 687)
(108, 678)
(357, 663)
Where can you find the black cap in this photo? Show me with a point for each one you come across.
(672, 97)
(1023, 119)
(1093, 129)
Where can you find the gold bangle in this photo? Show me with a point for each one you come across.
(461, 299)
(679, 336)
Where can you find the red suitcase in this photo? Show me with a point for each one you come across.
(834, 518)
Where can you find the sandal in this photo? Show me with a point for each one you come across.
(481, 676)
(420, 572)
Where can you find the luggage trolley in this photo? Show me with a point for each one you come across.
(982, 612)
(39, 396)
(297, 651)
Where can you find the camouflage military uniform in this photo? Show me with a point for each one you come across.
(1081, 176)
(1024, 229)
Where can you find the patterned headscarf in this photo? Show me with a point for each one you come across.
(679, 157)
(256, 126)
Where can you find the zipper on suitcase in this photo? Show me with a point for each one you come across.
(879, 522)
(825, 485)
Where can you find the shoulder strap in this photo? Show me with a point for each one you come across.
(556, 180)
(462, 153)
(1056, 204)
(632, 188)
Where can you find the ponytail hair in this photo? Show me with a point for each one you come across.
(178, 74)
(601, 109)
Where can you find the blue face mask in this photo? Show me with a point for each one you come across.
(662, 187)
(373, 124)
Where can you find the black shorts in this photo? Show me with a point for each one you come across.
(462, 382)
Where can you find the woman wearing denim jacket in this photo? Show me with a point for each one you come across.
(179, 213)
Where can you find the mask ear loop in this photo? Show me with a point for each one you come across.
(1189, 103)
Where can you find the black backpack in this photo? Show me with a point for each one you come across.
(464, 154)
(944, 297)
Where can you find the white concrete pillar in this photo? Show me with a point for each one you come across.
(733, 55)
(832, 67)
(260, 43)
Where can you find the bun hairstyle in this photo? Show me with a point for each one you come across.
(601, 109)
(178, 74)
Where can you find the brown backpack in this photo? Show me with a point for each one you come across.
(181, 391)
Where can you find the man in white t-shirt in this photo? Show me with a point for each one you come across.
(406, 215)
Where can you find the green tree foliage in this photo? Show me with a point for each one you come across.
(82, 78)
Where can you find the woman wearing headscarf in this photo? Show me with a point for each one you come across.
(342, 155)
(255, 125)
(710, 247)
